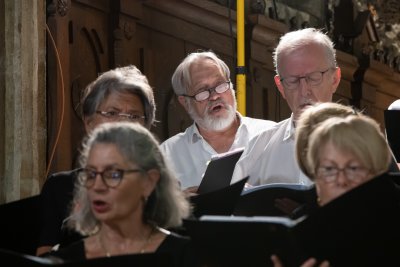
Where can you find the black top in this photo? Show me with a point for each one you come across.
(175, 245)
(55, 199)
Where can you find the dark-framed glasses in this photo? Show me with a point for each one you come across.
(114, 115)
(205, 94)
(110, 177)
(313, 79)
(329, 174)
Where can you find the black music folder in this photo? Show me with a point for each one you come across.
(13, 258)
(223, 241)
(20, 225)
(249, 203)
(219, 171)
(219, 202)
(359, 228)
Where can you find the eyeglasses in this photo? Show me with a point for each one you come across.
(110, 177)
(329, 174)
(205, 94)
(312, 79)
(114, 115)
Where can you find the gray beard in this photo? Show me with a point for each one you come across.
(213, 123)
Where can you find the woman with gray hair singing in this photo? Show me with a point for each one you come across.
(125, 197)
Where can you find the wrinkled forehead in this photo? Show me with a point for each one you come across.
(205, 71)
(307, 58)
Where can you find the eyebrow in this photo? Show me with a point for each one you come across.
(136, 110)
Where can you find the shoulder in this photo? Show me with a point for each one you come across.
(259, 141)
(59, 184)
(174, 241)
(277, 127)
(178, 139)
(174, 139)
(253, 126)
(181, 249)
(253, 122)
(272, 130)
(61, 179)
(75, 251)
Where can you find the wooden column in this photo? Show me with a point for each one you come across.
(22, 98)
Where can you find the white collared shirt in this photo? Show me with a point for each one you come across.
(270, 158)
(188, 153)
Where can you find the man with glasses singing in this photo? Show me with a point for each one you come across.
(202, 84)
(306, 73)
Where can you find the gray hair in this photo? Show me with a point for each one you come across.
(181, 80)
(299, 38)
(127, 79)
(165, 207)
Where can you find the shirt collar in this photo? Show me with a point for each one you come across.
(290, 129)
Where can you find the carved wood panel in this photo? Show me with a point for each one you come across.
(81, 31)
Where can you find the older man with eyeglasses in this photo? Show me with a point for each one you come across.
(202, 84)
(306, 73)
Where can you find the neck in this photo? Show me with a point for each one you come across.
(221, 141)
(115, 242)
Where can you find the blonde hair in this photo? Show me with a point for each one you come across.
(355, 134)
(310, 118)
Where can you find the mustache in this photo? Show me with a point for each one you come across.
(211, 104)
(307, 102)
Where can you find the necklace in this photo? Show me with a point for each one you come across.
(141, 250)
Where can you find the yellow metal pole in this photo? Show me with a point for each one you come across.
(241, 72)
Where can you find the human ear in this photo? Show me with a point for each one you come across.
(183, 102)
(88, 123)
(153, 176)
(278, 83)
(336, 79)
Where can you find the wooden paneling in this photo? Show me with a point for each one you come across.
(381, 86)
(89, 52)
(265, 99)
(81, 34)
(187, 31)
(155, 35)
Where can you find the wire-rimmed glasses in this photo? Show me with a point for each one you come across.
(114, 115)
(313, 79)
(205, 94)
(329, 174)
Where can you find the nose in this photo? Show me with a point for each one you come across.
(214, 95)
(304, 87)
(99, 183)
(341, 178)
